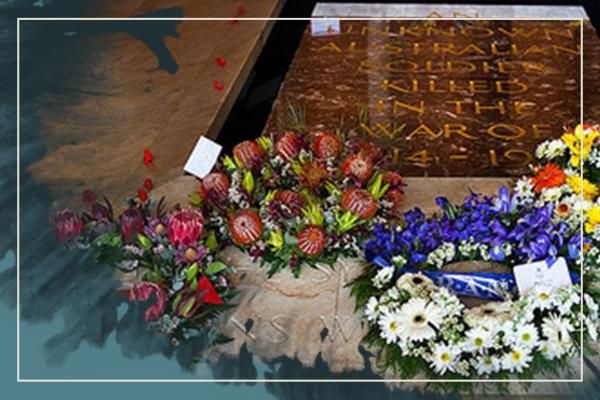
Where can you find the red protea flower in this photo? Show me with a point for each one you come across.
(370, 150)
(326, 145)
(67, 224)
(288, 146)
(311, 240)
(394, 179)
(249, 154)
(359, 202)
(294, 201)
(395, 196)
(312, 174)
(214, 187)
(358, 166)
(184, 226)
(246, 227)
(132, 221)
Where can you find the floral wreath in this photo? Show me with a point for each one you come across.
(417, 322)
(290, 199)
(171, 254)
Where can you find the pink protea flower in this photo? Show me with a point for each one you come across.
(67, 224)
(142, 292)
(249, 154)
(214, 187)
(184, 226)
(288, 146)
(132, 221)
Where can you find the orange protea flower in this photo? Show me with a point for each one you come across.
(312, 174)
(548, 177)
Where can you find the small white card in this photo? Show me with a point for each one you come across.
(539, 273)
(203, 157)
(325, 26)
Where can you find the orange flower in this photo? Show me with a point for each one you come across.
(548, 177)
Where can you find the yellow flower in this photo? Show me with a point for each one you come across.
(593, 219)
(580, 144)
(275, 240)
(590, 191)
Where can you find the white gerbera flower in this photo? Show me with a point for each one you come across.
(557, 330)
(414, 283)
(384, 275)
(418, 318)
(516, 359)
(389, 325)
(490, 315)
(487, 365)
(478, 339)
(444, 358)
(526, 336)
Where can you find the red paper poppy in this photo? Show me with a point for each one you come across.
(241, 10)
(218, 85)
(220, 61)
(89, 196)
(148, 157)
(148, 184)
(142, 195)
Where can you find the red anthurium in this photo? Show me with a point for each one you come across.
(148, 184)
(218, 85)
(220, 61)
(208, 291)
(148, 157)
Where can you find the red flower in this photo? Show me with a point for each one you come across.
(218, 85)
(220, 61)
(370, 150)
(142, 195)
(326, 145)
(294, 201)
(132, 221)
(288, 146)
(184, 226)
(89, 196)
(208, 292)
(148, 184)
(249, 154)
(67, 224)
(214, 187)
(312, 174)
(395, 196)
(394, 179)
(246, 227)
(548, 177)
(358, 166)
(241, 10)
(359, 202)
(311, 240)
(142, 292)
(148, 157)
(205, 293)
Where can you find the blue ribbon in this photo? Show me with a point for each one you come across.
(482, 285)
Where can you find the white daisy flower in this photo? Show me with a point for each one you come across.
(526, 336)
(524, 189)
(414, 283)
(384, 275)
(555, 148)
(478, 339)
(516, 359)
(389, 325)
(550, 350)
(372, 310)
(486, 365)
(418, 318)
(444, 358)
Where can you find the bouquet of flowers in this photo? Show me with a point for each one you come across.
(417, 325)
(290, 199)
(171, 254)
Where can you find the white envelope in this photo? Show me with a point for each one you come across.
(203, 157)
(556, 276)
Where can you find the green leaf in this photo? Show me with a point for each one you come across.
(194, 284)
(211, 242)
(116, 241)
(144, 242)
(215, 267)
(192, 271)
(176, 302)
(248, 181)
(195, 200)
(188, 306)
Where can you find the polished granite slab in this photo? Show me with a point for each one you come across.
(449, 98)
